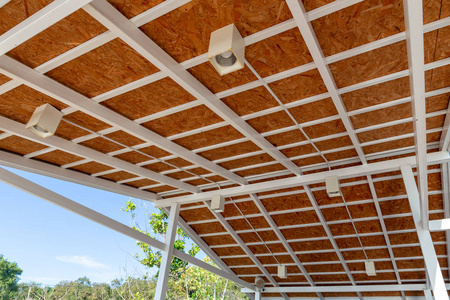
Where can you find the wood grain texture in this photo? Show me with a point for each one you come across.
(102, 145)
(58, 157)
(285, 138)
(132, 8)
(250, 101)
(314, 110)
(271, 122)
(91, 167)
(18, 145)
(208, 138)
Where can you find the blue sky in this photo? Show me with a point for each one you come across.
(51, 244)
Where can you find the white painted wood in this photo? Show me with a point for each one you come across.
(166, 260)
(416, 61)
(347, 288)
(3, 2)
(426, 243)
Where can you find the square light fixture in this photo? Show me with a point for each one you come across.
(370, 268)
(332, 185)
(217, 203)
(226, 50)
(44, 121)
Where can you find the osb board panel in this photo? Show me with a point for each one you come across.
(314, 110)
(402, 143)
(238, 261)
(66, 34)
(362, 210)
(408, 251)
(341, 155)
(353, 242)
(205, 228)
(361, 227)
(251, 237)
(334, 143)
(341, 295)
(262, 249)
(400, 223)
(151, 98)
(261, 170)
(184, 33)
(133, 157)
(323, 199)
(394, 207)
(379, 265)
(141, 183)
(69, 132)
(286, 202)
(247, 161)
(373, 254)
(102, 145)
(335, 214)
(245, 271)
(282, 259)
(311, 245)
(219, 240)
(208, 76)
(290, 270)
(404, 238)
(247, 208)
(330, 277)
(179, 175)
(133, 8)
(179, 162)
(296, 218)
(271, 122)
(385, 132)
(199, 171)
(437, 78)
(390, 188)
(228, 251)
(359, 24)
(186, 120)
(313, 4)
(278, 53)
(16, 11)
(86, 121)
(91, 167)
(161, 189)
(324, 268)
(356, 192)
(103, 69)
(197, 182)
(124, 138)
(250, 101)
(297, 188)
(305, 232)
(299, 86)
(210, 137)
(158, 167)
(380, 276)
(377, 94)
(19, 104)
(242, 224)
(437, 44)
(117, 176)
(309, 161)
(197, 214)
(285, 138)
(369, 65)
(381, 294)
(4, 79)
(324, 129)
(58, 157)
(20, 145)
(228, 151)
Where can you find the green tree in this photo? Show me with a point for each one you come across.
(158, 225)
(9, 278)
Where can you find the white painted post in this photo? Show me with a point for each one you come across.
(166, 260)
(426, 243)
(258, 296)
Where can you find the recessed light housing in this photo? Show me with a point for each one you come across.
(226, 50)
(44, 121)
(282, 271)
(218, 203)
(332, 185)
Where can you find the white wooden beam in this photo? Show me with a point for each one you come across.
(38, 22)
(67, 146)
(373, 168)
(309, 36)
(135, 38)
(50, 87)
(166, 260)
(346, 288)
(413, 11)
(426, 243)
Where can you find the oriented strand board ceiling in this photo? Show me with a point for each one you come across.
(130, 123)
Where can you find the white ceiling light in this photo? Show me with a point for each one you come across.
(226, 49)
(282, 271)
(44, 121)
(259, 282)
(332, 185)
(370, 268)
(218, 203)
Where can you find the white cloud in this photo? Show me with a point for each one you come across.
(84, 261)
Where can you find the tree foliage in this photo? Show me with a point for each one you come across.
(9, 278)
